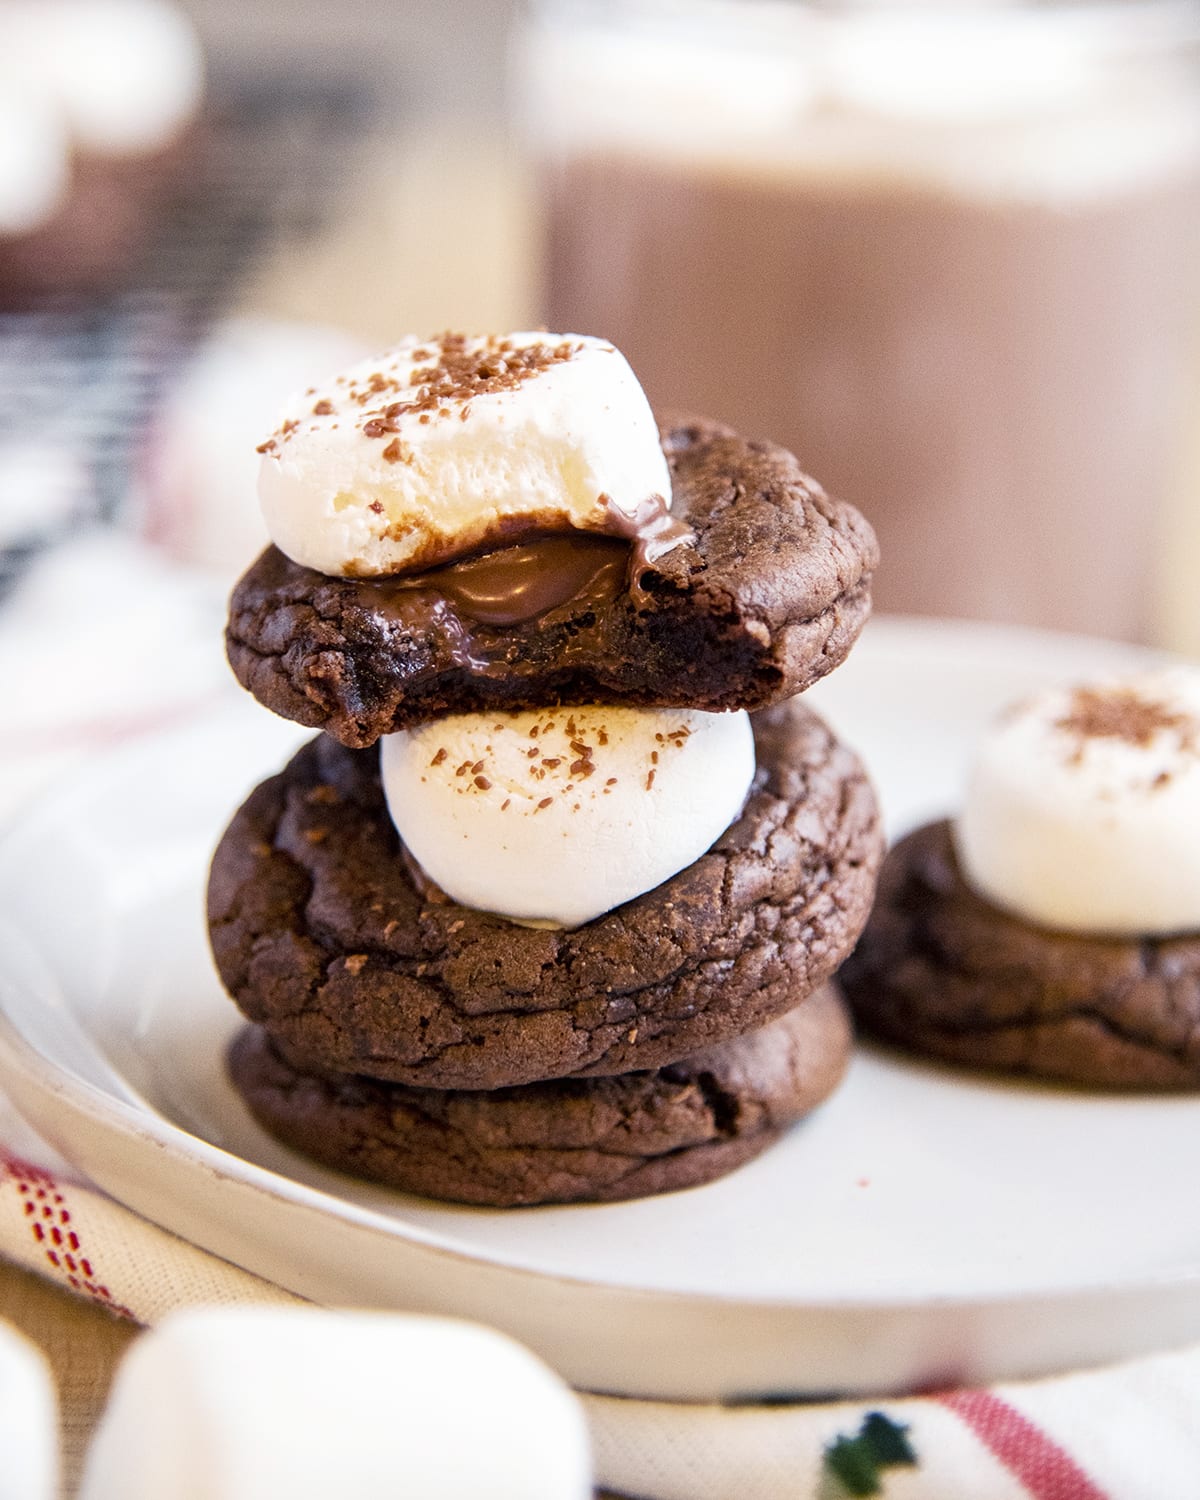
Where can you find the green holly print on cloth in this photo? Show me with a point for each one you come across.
(853, 1466)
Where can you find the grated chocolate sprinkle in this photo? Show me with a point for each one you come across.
(461, 368)
(1127, 715)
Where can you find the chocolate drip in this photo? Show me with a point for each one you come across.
(1127, 714)
(652, 529)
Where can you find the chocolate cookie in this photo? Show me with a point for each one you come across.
(321, 935)
(768, 596)
(572, 1140)
(939, 970)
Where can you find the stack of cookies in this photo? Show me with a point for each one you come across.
(547, 911)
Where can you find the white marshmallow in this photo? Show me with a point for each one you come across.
(124, 75)
(35, 154)
(502, 812)
(549, 452)
(585, 84)
(257, 1403)
(959, 66)
(28, 1421)
(1092, 831)
(1010, 104)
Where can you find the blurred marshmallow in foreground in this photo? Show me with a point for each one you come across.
(200, 476)
(257, 1403)
(28, 1421)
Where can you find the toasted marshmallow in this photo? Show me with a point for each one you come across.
(1083, 809)
(557, 816)
(443, 445)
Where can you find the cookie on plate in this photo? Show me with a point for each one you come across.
(325, 933)
(765, 593)
(1054, 928)
(573, 1139)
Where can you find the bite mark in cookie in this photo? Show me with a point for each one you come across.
(768, 596)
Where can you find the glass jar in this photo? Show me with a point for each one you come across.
(946, 255)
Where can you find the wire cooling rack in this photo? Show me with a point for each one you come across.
(80, 382)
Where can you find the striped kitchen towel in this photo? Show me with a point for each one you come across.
(1129, 1432)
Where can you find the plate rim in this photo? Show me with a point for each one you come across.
(651, 1342)
(192, 1153)
(50, 1077)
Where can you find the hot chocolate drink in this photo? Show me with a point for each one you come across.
(972, 315)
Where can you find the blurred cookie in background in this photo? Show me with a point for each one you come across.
(97, 101)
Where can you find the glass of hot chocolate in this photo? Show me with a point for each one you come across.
(947, 254)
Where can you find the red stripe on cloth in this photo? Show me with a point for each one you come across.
(1047, 1471)
(34, 1183)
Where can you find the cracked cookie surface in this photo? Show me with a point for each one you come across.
(321, 935)
(570, 1140)
(941, 971)
(769, 596)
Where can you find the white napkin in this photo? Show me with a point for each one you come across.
(28, 1421)
(258, 1403)
(101, 641)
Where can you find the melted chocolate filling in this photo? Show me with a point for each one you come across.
(512, 585)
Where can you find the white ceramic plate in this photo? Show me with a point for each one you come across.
(924, 1226)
